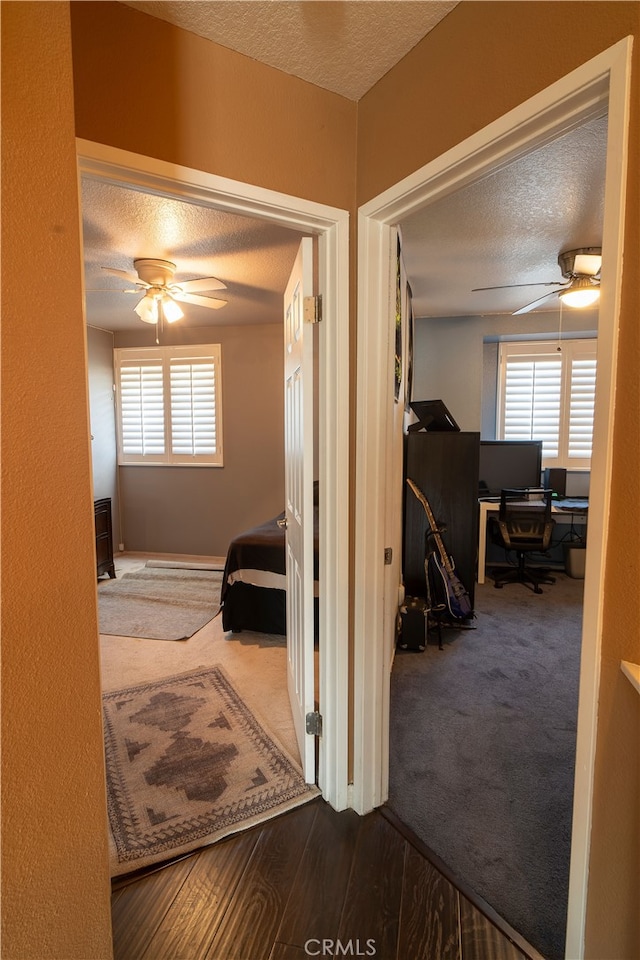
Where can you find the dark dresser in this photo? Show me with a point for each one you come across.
(104, 537)
(444, 465)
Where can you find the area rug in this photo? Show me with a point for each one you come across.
(187, 764)
(159, 603)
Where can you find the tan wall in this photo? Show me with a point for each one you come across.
(149, 88)
(146, 86)
(198, 510)
(55, 882)
(478, 63)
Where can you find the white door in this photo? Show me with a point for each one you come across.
(298, 431)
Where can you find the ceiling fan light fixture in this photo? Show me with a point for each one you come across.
(171, 310)
(160, 295)
(147, 309)
(583, 262)
(580, 293)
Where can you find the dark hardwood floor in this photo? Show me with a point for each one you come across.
(311, 883)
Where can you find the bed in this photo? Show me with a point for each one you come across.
(254, 583)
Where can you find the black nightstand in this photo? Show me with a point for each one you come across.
(104, 538)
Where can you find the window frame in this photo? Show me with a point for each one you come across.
(571, 350)
(163, 356)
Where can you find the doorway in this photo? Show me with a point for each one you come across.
(331, 226)
(567, 103)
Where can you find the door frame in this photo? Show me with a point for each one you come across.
(331, 227)
(600, 85)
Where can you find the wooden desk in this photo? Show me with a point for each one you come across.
(574, 514)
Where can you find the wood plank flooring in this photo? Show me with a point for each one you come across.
(311, 883)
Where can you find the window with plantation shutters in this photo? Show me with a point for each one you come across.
(169, 405)
(548, 394)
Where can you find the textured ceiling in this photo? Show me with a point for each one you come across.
(252, 257)
(505, 229)
(344, 47)
(508, 228)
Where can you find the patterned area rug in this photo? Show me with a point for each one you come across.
(188, 764)
(159, 603)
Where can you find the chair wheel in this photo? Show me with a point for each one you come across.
(537, 589)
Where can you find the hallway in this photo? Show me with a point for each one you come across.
(337, 883)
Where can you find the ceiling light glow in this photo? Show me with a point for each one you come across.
(147, 309)
(580, 293)
(171, 310)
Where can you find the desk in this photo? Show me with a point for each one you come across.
(575, 512)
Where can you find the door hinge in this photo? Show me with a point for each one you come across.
(388, 556)
(312, 309)
(314, 724)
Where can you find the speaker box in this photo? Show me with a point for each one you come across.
(555, 478)
(413, 614)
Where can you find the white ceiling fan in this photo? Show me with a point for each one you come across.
(581, 287)
(161, 294)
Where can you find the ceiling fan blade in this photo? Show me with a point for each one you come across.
(113, 290)
(129, 277)
(509, 286)
(202, 283)
(210, 302)
(534, 304)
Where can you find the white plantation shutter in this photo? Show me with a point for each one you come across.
(549, 394)
(142, 409)
(193, 407)
(582, 404)
(533, 392)
(169, 404)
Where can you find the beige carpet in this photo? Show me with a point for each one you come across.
(187, 764)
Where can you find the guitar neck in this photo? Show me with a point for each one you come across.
(444, 557)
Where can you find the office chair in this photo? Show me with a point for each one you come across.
(524, 524)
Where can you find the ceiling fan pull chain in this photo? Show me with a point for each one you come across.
(559, 347)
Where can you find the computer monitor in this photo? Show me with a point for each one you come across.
(509, 464)
(433, 415)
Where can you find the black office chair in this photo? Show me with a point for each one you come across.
(524, 524)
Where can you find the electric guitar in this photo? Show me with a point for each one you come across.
(454, 593)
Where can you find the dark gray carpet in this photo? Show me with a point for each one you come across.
(482, 751)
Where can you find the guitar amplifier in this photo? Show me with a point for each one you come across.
(413, 630)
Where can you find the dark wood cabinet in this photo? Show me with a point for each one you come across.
(104, 537)
(444, 465)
